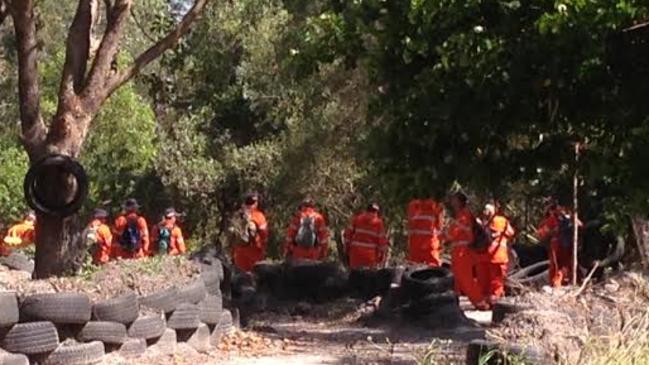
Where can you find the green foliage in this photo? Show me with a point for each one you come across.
(13, 164)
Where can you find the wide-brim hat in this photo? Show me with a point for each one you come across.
(170, 212)
(131, 203)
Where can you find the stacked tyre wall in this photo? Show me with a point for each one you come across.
(68, 328)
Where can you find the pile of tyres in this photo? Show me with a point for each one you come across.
(67, 328)
(296, 280)
(428, 295)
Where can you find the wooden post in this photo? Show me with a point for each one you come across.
(575, 215)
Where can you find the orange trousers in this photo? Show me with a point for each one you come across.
(462, 264)
(491, 279)
(560, 264)
(363, 257)
(102, 254)
(424, 254)
(245, 257)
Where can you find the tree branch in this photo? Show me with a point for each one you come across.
(4, 11)
(169, 41)
(99, 73)
(33, 128)
(77, 50)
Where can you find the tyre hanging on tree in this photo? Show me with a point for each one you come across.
(34, 183)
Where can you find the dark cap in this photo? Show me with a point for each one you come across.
(100, 213)
(170, 212)
(307, 202)
(251, 198)
(374, 206)
(131, 203)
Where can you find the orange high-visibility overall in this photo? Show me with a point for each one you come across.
(319, 252)
(460, 236)
(366, 242)
(245, 256)
(102, 252)
(560, 253)
(491, 266)
(121, 223)
(424, 224)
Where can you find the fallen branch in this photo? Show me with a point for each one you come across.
(590, 276)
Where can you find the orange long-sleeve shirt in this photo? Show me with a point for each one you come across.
(176, 243)
(24, 231)
(245, 256)
(318, 252)
(122, 222)
(104, 239)
(366, 241)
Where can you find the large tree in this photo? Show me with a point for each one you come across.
(91, 73)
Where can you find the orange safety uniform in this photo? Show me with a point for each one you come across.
(319, 252)
(366, 242)
(492, 263)
(21, 234)
(121, 223)
(104, 238)
(424, 226)
(560, 253)
(460, 236)
(246, 255)
(176, 241)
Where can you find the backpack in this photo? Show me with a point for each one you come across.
(306, 233)
(130, 239)
(164, 239)
(241, 228)
(565, 230)
(91, 238)
(481, 236)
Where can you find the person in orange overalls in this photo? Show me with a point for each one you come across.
(168, 236)
(20, 235)
(366, 241)
(460, 236)
(246, 254)
(99, 236)
(318, 246)
(492, 263)
(424, 227)
(130, 218)
(557, 228)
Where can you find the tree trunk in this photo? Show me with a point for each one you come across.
(58, 239)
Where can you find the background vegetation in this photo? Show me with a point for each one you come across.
(356, 100)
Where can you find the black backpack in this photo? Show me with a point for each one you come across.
(566, 228)
(481, 235)
(130, 239)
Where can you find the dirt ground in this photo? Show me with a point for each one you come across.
(563, 323)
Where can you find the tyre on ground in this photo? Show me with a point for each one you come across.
(164, 300)
(76, 354)
(31, 338)
(185, 317)
(147, 327)
(420, 282)
(122, 309)
(106, 332)
(8, 309)
(59, 308)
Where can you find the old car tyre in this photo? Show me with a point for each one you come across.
(76, 354)
(107, 332)
(17, 261)
(59, 308)
(420, 282)
(147, 327)
(123, 309)
(165, 300)
(8, 309)
(31, 338)
(66, 165)
(185, 317)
